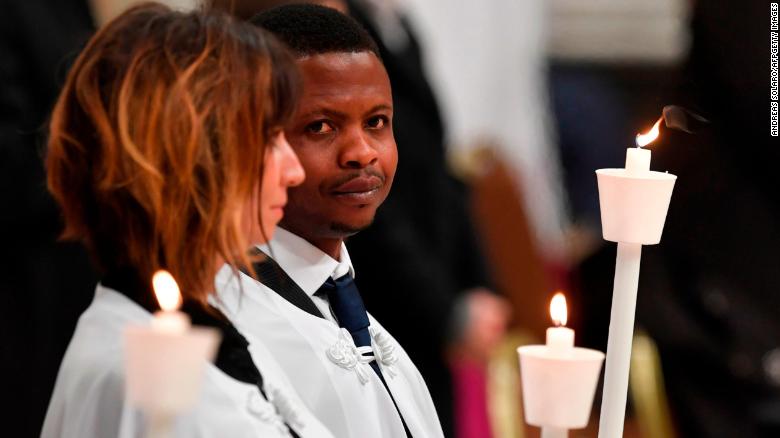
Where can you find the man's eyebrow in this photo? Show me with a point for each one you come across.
(327, 112)
(381, 106)
(336, 114)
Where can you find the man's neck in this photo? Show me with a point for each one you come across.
(329, 245)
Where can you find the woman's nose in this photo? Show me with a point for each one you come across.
(292, 171)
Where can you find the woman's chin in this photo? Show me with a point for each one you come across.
(271, 220)
(269, 228)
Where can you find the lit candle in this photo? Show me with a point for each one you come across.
(560, 339)
(165, 360)
(638, 158)
(643, 140)
(624, 293)
(560, 344)
(558, 379)
(169, 319)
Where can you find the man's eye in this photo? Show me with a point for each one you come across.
(319, 127)
(377, 122)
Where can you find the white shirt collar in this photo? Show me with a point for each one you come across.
(306, 264)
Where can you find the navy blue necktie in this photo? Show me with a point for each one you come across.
(344, 299)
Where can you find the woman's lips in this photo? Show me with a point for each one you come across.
(278, 209)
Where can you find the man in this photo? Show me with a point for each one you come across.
(348, 370)
(423, 230)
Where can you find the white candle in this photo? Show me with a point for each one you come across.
(165, 361)
(558, 379)
(560, 344)
(637, 160)
(621, 321)
(174, 322)
(169, 319)
(560, 339)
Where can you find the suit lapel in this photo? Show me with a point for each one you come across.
(272, 275)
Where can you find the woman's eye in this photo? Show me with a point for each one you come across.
(377, 122)
(319, 127)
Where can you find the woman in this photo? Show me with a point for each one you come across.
(166, 152)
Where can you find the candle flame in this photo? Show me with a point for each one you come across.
(558, 311)
(652, 134)
(166, 290)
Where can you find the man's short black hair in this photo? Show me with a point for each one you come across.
(314, 30)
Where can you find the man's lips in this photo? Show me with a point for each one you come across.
(359, 191)
(359, 185)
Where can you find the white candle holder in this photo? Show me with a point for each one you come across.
(558, 389)
(164, 372)
(634, 204)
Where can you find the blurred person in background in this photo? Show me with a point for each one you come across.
(486, 63)
(497, 95)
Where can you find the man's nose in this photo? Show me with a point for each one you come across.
(358, 152)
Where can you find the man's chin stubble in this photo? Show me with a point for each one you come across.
(345, 230)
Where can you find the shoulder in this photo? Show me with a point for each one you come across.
(238, 295)
(96, 345)
(89, 396)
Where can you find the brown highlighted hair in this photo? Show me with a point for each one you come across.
(158, 137)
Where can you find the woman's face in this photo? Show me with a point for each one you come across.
(281, 170)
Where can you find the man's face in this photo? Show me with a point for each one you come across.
(342, 133)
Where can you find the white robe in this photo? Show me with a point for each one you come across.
(88, 399)
(349, 399)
